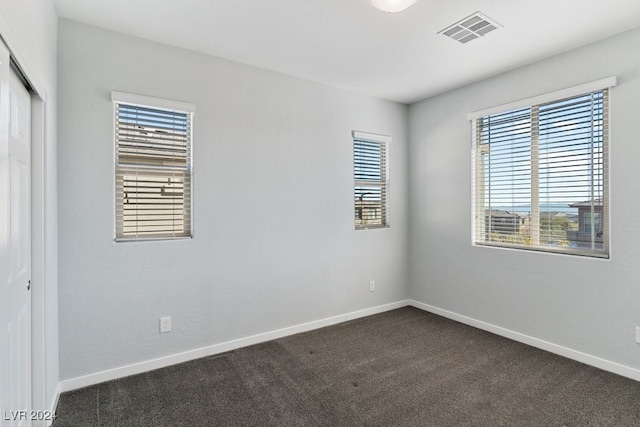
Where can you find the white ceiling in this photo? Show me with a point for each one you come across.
(349, 44)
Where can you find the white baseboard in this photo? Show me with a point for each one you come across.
(585, 358)
(161, 362)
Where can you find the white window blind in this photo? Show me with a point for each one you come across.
(153, 169)
(370, 180)
(541, 176)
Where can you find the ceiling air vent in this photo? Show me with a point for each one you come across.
(470, 28)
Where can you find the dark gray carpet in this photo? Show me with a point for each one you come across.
(400, 368)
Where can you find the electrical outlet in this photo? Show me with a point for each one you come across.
(165, 324)
(372, 285)
(638, 334)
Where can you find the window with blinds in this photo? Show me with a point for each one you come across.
(153, 168)
(370, 180)
(541, 176)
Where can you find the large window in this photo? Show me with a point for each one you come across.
(370, 180)
(541, 173)
(153, 168)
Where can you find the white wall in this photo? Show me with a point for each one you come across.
(30, 29)
(586, 305)
(274, 239)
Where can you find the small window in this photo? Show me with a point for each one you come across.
(592, 223)
(370, 180)
(541, 173)
(153, 174)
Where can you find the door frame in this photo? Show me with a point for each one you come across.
(39, 280)
(38, 293)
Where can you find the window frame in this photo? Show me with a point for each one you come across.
(140, 167)
(478, 189)
(382, 182)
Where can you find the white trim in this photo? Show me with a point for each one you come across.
(606, 365)
(54, 404)
(15, 49)
(367, 136)
(161, 362)
(547, 97)
(40, 282)
(37, 205)
(129, 98)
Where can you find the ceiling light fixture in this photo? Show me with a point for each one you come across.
(392, 6)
